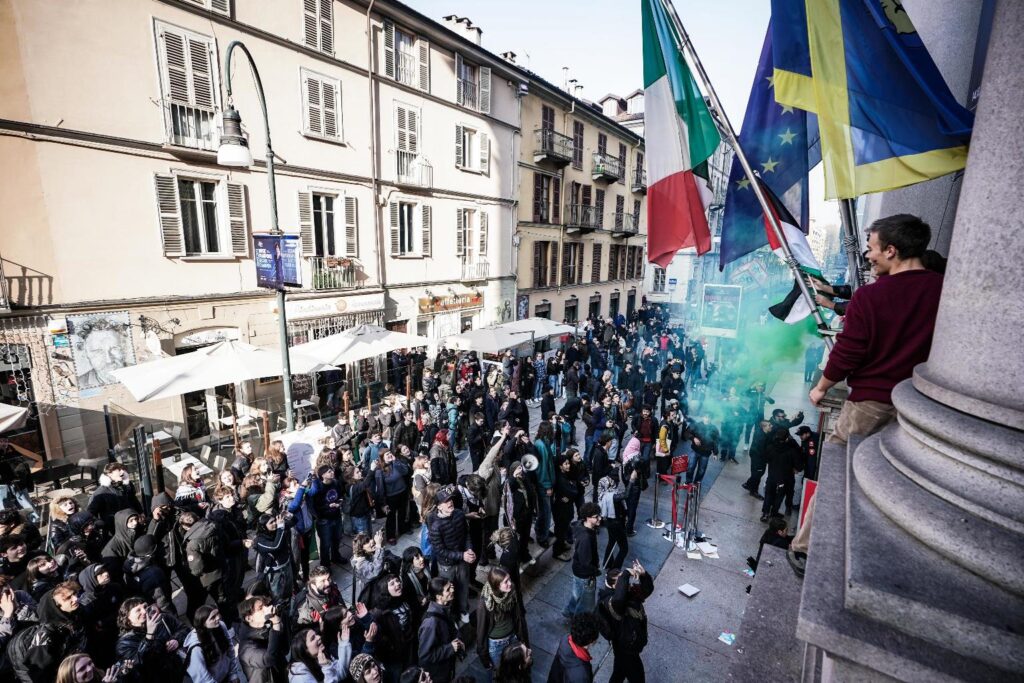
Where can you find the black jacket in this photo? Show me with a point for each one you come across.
(448, 536)
(436, 633)
(485, 622)
(37, 651)
(120, 545)
(143, 578)
(262, 653)
(204, 550)
(567, 667)
(108, 499)
(622, 610)
(151, 662)
(584, 557)
(783, 455)
(547, 406)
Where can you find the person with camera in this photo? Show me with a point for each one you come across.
(116, 492)
(262, 641)
(151, 640)
(390, 487)
(295, 498)
(328, 499)
(624, 620)
(274, 555)
(144, 577)
(439, 642)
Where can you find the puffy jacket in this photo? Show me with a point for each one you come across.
(449, 536)
(204, 551)
(262, 654)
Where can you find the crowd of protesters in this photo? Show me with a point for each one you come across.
(92, 598)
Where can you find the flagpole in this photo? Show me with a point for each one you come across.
(726, 128)
(848, 217)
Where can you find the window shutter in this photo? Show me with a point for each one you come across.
(310, 23)
(599, 209)
(538, 197)
(636, 213)
(460, 153)
(460, 232)
(413, 130)
(314, 106)
(485, 154)
(306, 224)
(553, 282)
(622, 162)
(556, 200)
(620, 208)
(484, 230)
(458, 79)
(613, 261)
(199, 53)
(485, 89)
(330, 104)
(595, 267)
(567, 265)
(221, 6)
(424, 53)
(578, 248)
(395, 244)
(389, 49)
(401, 132)
(427, 232)
(176, 71)
(327, 25)
(169, 211)
(538, 265)
(351, 227)
(238, 220)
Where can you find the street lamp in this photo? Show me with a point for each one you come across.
(234, 152)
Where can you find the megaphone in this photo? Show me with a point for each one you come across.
(530, 462)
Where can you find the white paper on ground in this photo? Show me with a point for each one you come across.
(688, 590)
(693, 556)
(707, 548)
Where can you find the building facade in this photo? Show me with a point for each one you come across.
(582, 219)
(123, 240)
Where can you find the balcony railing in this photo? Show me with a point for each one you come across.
(413, 169)
(407, 69)
(186, 125)
(581, 217)
(639, 180)
(541, 212)
(333, 272)
(472, 272)
(5, 298)
(626, 224)
(469, 93)
(553, 147)
(606, 167)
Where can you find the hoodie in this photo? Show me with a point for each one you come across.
(99, 606)
(124, 538)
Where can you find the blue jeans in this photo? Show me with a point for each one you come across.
(698, 465)
(542, 526)
(583, 598)
(555, 385)
(496, 647)
(538, 388)
(328, 536)
(362, 525)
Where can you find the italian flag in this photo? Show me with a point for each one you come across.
(680, 137)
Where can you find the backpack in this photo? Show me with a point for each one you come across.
(628, 631)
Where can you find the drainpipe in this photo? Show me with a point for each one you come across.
(378, 225)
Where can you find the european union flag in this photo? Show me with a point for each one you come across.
(781, 144)
(886, 115)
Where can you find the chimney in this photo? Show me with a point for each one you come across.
(509, 57)
(465, 28)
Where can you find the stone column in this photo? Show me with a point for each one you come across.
(930, 551)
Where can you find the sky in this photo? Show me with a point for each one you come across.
(600, 42)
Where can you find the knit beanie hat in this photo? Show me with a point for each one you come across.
(144, 546)
(358, 665)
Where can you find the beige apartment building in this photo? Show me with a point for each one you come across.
(582, 221)
(122, 240)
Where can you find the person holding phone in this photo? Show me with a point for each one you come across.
(152, 641)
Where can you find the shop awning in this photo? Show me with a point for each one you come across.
(358, 343)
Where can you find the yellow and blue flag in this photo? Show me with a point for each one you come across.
(781, 143)
(886, 116)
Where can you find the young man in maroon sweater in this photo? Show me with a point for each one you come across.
(887, 330)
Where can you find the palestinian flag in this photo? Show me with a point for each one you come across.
(681, 136)
(794, 307)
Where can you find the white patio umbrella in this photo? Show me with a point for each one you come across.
(358, 343)
(487, 339)
(541, 327)
(12, 417)
(225, 362)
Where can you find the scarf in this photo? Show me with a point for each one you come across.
(497, 604)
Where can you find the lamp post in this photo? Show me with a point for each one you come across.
(234, 151)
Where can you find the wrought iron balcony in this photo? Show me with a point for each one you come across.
(407, 69)
(334, 272)
(469, 94)
(581, 218)
(639, 181)
(606, 167)
(186, 125)
(552, 147)
(413, 169)
(474, 272)
(626, 224)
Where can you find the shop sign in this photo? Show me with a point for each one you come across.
(325, 307)
(439, 304)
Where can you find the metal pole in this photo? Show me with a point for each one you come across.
(275, 229)
(730, 134)
(654, 522)
(109, 424)
(851, 243)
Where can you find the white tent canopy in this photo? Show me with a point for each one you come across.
(541, 327)
(12, 417)
(358, 343)
(226, 362)
(487, 340)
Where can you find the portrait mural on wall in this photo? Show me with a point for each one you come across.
(102, 343)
